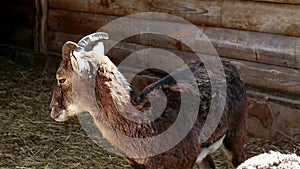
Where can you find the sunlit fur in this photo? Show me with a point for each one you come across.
(114, 95)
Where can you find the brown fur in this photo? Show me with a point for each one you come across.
(110, 86)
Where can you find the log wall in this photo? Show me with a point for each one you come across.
(261, 37)
(278, 18)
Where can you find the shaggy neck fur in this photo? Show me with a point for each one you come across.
(114, 100)
(114, 118)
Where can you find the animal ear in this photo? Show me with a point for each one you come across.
(74, 63)
(79, 63)
(67, 48)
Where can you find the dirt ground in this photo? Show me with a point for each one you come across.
(29, 138)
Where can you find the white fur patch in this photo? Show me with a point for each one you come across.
(212, 148)
(83, 64)
(99, 49)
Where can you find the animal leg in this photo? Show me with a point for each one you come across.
(206, 163)
(204, 160)
(235, 144)
(134, 164)
(236, 136)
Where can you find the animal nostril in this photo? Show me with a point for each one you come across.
(62, 80)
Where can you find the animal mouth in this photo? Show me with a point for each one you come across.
(60, 115)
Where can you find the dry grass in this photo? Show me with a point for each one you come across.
(29, 138)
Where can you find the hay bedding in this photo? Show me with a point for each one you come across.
(29, 138)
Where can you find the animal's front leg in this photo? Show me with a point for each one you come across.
(134, 164)
(206, 163)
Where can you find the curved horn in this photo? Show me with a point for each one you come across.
(67, 48)
(87, 43)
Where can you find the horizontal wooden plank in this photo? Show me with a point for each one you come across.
(207, 11)
(272, 79)
(280, 1)
(284, 81)
(266, 77)
(246, 15)
(57, 39)
(75, 22)
(252, 46)
(262, 17)
(297, 51)
(17, 15)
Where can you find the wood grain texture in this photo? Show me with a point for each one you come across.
(57, 39)
(280, 1)
(40, 27)
(277, 18)
(261, 36)
(206, 11)
(43, 27)
(268, 77)
(274, 78)
(76, 22)
(252, 46)
(37, 26)
(262, 17)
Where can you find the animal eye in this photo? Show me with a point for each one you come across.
(62, 80)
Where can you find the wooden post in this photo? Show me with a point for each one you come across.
(40, 27)
(43, 28)
(36, 26)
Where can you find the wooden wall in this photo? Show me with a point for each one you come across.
(261, 37)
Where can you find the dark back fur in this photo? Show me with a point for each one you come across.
(184, 155)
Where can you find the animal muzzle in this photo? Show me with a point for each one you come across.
(56, 105)
(59, 114)
(55, 112)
